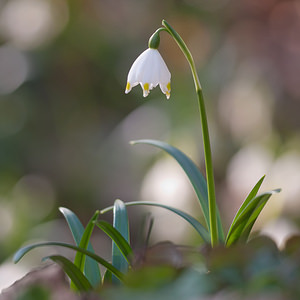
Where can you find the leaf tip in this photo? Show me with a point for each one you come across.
(45, 258)
(105, 210)
(62, 209)
(118, 201)
(16, 257)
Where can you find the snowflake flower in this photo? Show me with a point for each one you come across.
(149, 70)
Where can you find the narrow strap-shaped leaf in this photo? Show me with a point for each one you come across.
(190, 169)
(116, 236)
(91, 269)
(120, 223)
(79, 260)
(247, 217)
(22, 251)
(248, 227)
(196, 178)
(242, 228)
(79, 280)
(107, 278)
(250, 196)
(196, 224)
(74, 223)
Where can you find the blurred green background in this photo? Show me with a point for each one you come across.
(65, 121)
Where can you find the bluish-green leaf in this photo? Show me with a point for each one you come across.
(22, 251)
(116, 236)
(79, 280)
(91, 270)
(80, 258)
(196, 178)
(196, 224)
(120, 223)
(247, 216)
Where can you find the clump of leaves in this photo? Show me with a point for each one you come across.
(84, 272)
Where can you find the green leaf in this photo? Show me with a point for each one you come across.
(196, 178)
(22, 251)
(107, 278)
(243, 223)
(119, 240)
(250, 196)
(246, 232)
(79, 280)
(196, 224)
(91, 270)
(79, 260)
(120, 223)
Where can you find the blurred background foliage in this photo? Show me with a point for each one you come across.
(65, 121)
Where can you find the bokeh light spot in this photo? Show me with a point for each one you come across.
(14, 69)
(166, 183)
(30, 23)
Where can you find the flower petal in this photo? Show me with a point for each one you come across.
(166, 89)
(149, 70)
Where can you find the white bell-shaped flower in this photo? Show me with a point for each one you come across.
(149, 70)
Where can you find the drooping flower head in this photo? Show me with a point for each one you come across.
(149, 70)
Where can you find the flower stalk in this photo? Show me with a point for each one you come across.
(205, 133)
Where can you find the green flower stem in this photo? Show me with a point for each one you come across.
(205, 133)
